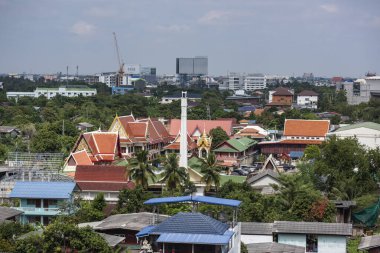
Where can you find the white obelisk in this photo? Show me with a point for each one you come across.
(183, 143)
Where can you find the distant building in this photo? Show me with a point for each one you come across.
(308, 77)
(66, 91)
(281, 97)
(9, 131)
(235, 152)
(255, 82)
(307, 99)
(361, 90)
(187, 68)
(109, 78)
(168, 99)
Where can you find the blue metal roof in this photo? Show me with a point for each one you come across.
(196, 238)
(201, 199)
(145, 231)
(191, 223)
(42, 190)
(246, 108)
(296, 154)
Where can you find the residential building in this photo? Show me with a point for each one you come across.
(281, 98)
(106, 179)
(66, 91)
(263, 181)
(307, 99)
(265, 247)
(140, 134)
(94, 148)
(84, 126)
(235, 81)
(109, 78)
(367, 133)
(298, 134)
(41, 201)
(9, 131)
(195, 128)
(236, 152)
(254, 132)
(370, 244)
(255, 82)
(313, 236)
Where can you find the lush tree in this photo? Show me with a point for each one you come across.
(8, 233)
(45, 141)
(140, 170)
(210, 168)
(218, 136)
(132, 200)
(174, 176)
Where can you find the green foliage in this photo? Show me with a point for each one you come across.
(210, 169)
(174, 176)
(140, 170)
(353, 244)
(9, 232)
(218, 136)
(131, 201)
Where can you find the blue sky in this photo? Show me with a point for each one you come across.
(284, 37)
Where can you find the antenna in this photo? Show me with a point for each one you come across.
(77, 74)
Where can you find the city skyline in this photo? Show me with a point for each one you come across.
(328, 38)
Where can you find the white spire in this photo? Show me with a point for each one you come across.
(183, 143)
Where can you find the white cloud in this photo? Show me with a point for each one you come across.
(82, 28)
(214, 17)
(101, 12)
(330, 8)
(173, 28)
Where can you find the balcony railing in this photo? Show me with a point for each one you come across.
(39, 210)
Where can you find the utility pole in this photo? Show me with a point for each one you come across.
(67, 75)
(77, 72)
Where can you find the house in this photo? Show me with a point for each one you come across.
(195, 128)
(367, 133)
(9, 131)
(263, 181)
(307, 99)
(298, 134)
(143, 134)
(236, 152)
(313, 236)
(253, 131)
(370, 244)
(281, 98)
(41, 201)
(94, 148)
(9, 214)
(126, 225)
(344, 210)
(107, 179)
(194, 232)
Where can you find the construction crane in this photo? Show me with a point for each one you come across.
(120, 72)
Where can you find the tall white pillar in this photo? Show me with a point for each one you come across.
(183, 143)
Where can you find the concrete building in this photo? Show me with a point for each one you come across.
(109, 78)
(255, 82)
(361, 90)
(307, 99)
(66, 91)
(367, 133)
(187, 68)
(235, 81)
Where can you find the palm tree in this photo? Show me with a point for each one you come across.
(210, 168)
(140, 170)
(174, 176)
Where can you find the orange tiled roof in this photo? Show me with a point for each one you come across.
(307, 128)
(305, 142)
(175, 145)
(258, 112)
(81, 158)
(192, 125)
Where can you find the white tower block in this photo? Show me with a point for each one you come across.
(183, 143)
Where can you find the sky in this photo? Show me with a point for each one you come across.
(284, 37)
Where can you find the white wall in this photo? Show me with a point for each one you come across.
(365, 136)
(331, 244)
(293, 239)
(246, 239)
(308, 101)
(264, 181)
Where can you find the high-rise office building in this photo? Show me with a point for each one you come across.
(187, 68)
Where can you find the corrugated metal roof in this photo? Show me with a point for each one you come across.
(369, 242)
(267, 172)
(7, 212)
(112, 240)
(191, 223)
(145, 231)
(320, 228)
(274, 247)
(202, 199)
(43, 190)
(195, 238)
(370, 125)
(256, 228)
(296, 154)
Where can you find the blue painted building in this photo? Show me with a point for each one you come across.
(40, 201)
